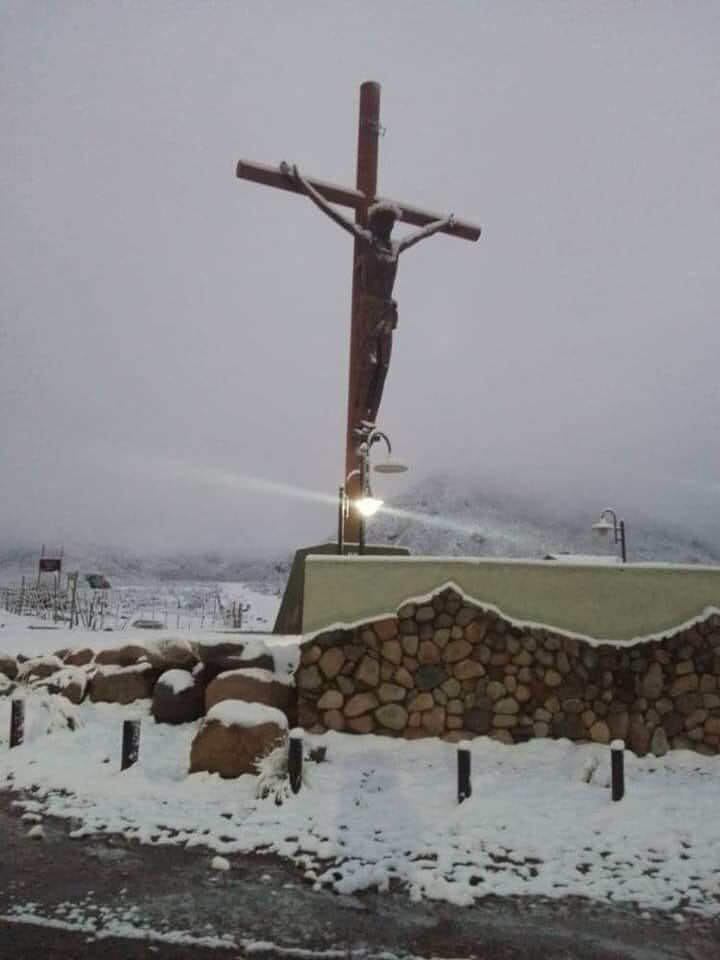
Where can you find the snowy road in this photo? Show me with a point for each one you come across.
(105, 897)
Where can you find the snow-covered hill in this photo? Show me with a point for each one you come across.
(443, 517)
(439, 517)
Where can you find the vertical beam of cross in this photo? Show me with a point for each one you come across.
(366, 183)
(358, 199)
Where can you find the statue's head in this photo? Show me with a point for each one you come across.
(382, 217)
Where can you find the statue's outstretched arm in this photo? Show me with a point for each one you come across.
(294, 174)
(426, 231)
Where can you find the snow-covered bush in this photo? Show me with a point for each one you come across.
(273, 775)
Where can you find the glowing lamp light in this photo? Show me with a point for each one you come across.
(368, 506)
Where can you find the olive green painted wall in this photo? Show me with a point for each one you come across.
(290, 615)
(598, 602)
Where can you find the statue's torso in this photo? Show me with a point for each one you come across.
(378, 268)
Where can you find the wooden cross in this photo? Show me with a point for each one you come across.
(359, 199)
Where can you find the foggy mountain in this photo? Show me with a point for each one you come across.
(437, 517)
(445, 517)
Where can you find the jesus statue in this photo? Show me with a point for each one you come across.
(377, 265)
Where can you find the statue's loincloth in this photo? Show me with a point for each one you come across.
(376, 319)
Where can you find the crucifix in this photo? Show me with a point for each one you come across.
(375, 258)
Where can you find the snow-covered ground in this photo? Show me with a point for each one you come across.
(383, 812)
(179, 606)
(33, 636)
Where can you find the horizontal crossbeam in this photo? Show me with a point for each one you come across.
(348, 197)
(272, 177)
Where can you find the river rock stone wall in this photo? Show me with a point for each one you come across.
(448, 668)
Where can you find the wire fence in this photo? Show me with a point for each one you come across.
(118, 608)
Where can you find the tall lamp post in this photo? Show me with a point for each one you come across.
(366, 505)
(603, 527)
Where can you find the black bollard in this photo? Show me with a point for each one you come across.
(295, 759)
(617, 762)
(130, 743)
(463, 768)
(17, 722)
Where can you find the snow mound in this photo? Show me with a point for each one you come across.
(63, 678)
(37, 663)
(285, 651)
(237, 713)
(256, 673)
(110, 669)
(177, 680)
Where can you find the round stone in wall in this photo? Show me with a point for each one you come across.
(392, 716)
(430, 676)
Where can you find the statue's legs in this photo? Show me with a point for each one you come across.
(383, 349)
(378, 319)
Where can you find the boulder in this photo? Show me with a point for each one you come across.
(232, 655)
(171, 653)
(70, 682)
(8, 666)
(234, 736)
(253, 686)
(39, 667)
(209, 651)
(123, 684)
(125, 656)
(178, 697)
(79, 657)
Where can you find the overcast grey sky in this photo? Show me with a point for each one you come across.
(165, 327)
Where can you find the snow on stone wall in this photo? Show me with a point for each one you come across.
(448, 667)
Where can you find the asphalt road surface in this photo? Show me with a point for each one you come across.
(262, 908)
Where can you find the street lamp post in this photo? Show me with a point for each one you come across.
(367, 505)
(341, 520)
(603, 527)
